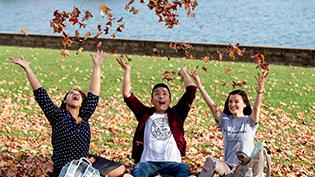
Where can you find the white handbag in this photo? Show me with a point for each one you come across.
(79, 168)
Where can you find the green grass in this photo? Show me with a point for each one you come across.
(290, 88)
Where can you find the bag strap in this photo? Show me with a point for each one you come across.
(90, 167)
(267, 152)
(257, 147)
(76, 167)
(86, 160)
(92, 173)
(82, 159)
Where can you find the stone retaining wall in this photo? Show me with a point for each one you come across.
(285, 56)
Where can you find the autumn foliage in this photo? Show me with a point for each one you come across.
(29, 153)
(25, 148)
(164, 9)
(25, 144)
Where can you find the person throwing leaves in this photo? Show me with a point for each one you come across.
(71, 133)
(159, 142)
(238, 123)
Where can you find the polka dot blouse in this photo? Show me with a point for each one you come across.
(69, 140)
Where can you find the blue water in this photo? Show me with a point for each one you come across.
(278, 23)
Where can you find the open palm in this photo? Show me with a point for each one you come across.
(19, 61)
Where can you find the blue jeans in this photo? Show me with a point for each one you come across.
(148, 169)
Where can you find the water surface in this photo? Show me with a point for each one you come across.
(278, 23)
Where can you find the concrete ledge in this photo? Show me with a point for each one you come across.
(283, 56)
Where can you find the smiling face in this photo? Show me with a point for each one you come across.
(160, 99)
(73, 99)
(236, 105)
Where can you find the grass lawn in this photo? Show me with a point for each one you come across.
(287, 120)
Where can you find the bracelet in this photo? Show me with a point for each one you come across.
(260, 92)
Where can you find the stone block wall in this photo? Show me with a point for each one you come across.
(283, 56)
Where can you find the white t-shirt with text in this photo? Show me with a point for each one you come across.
(238, 135)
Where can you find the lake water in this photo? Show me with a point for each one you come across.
(278, 23)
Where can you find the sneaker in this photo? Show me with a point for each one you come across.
(127, 175)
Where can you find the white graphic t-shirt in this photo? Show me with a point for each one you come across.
(159, 143)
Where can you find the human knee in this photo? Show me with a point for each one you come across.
(183, 170)
(141, 169)
(209, 164)
(208, 167)
(117, 172)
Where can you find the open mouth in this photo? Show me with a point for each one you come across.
(161, 103)
(76, 98)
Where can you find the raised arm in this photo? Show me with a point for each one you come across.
(95, 83)
(35, 84)
(261, 79)
(185, 76)
(126, 89)
(213, 107)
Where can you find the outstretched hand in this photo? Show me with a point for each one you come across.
(35, 84)
(185, 76)
(126, 91)
(125, 65)
(19, 61)
(99, 57)
(195, 76)
(182, 70)
(261, 82)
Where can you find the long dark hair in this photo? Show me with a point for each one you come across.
(247, 110)
(63, 104)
